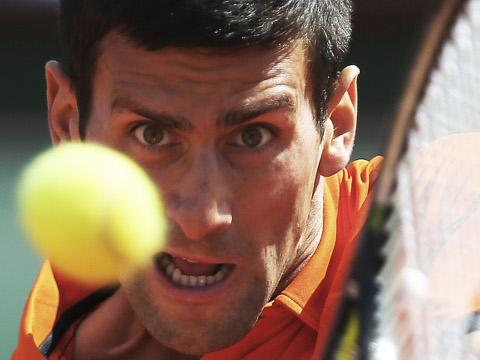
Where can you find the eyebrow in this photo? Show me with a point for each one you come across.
(129, 104)
(241, 115)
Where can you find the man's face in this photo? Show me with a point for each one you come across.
(230, 140)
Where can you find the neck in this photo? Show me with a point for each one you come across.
(309, 241)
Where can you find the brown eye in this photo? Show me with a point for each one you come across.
(150, 134)
(253, 136)
(153, 135)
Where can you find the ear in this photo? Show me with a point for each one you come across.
(340, 123)
(62, 104)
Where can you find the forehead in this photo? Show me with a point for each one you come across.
(120, 57)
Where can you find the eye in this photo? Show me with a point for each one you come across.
(152, 134)
(253, 136)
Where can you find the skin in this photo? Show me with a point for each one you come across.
(257, 207)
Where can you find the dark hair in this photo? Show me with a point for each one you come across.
(323, 25)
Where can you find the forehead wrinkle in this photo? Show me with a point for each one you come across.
(206, 63)
(215, 61)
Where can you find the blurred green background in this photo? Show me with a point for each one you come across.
(385, 37)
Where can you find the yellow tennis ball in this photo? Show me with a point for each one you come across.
(91, 210)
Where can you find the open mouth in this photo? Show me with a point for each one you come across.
(189, 273)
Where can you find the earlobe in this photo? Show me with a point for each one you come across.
(340, 124)
(62, 104)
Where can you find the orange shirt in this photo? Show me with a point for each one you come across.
(294, 325)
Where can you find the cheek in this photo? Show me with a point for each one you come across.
(276, 202)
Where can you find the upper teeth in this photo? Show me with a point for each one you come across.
(178, 277)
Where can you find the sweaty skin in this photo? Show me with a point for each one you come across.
(230, 140)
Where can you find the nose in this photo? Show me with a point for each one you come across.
(198, 201)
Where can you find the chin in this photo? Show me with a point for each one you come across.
(200, 341)
(196, 321)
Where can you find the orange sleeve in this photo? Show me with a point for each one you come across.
(50, 296)
(38, 316)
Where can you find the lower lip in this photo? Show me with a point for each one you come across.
(202, 294)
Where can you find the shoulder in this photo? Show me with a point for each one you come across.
(353, 184)
(360, 172)
(38, 316)
(51, 295)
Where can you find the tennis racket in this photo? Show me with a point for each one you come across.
(417, 272)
